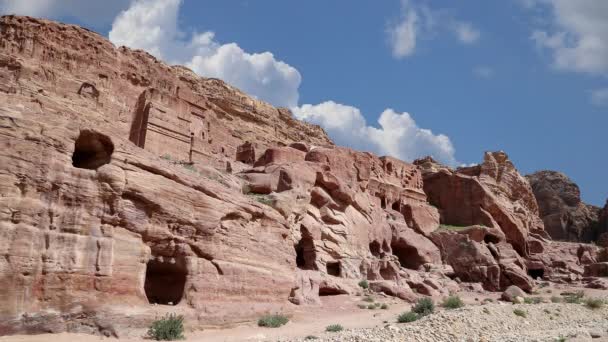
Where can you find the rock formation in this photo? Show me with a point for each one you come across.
(565, 216)
(489, 219)
(130, 187)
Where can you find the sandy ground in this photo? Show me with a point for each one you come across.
(306, 321)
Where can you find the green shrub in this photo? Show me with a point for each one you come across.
(594, 303)
(520, 313)
(364, 284)
(556, 299)
(533, 300)
(368, 299)
(273, 321)
(371, 307)
(362, 306)
(407, 317)
(384, 306)
(311, 337)
(452, 302)
(168, 328)
(334, 328)
(486, 311)
(424, 306)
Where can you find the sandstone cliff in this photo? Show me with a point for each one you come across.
(130, 188)
(565, 216)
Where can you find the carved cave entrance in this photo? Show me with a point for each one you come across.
(536, 273)
(92, 150)
(306, 255)
(334, 268)
(165, 281)
(407, 255)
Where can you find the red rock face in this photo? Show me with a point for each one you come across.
(126, 182)
(565, 216)
(492, 194)
(114, 190)
(499, 202)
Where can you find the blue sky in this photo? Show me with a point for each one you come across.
(525, 76)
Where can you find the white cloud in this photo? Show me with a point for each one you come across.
(402, 36)
(599, 97)
(398, 134)
(466, 33)
(420, 21)
(483, 71)
(151, 25)
(577, 36)
(91, 12)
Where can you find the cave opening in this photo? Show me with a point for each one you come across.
(489, 238)
(334, 268)
(165, 281)
(306, 256)
(374, 248)
(396, 206)
(383, 202)
(407, 255)
(330, 291)
(537, 273)
(92, 150)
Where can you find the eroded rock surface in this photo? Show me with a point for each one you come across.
(565, 216)
(130, 188)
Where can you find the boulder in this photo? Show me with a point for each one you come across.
(511, 293)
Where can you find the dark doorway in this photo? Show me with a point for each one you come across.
(374, 248)
(165, 282)
(407, 255)
(92, 150)
(536, 273)
(306, 256)
(396, 206)
(334, 269)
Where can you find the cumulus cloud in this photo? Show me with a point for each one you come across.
(599, 97)
(152, 25)
(577, 35)
(397, 134)
(418, 20)
(91, 12)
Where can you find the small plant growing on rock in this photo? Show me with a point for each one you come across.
(368, 299)
(364, 284)
(273, 321)
(362, 306)
(311, 337)
(424, 306)
(452, 302)
(520, 313)
(407, 317)
(334, 328)
(168, 328)
(594, 303)
(384, 306)
(371, 307)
